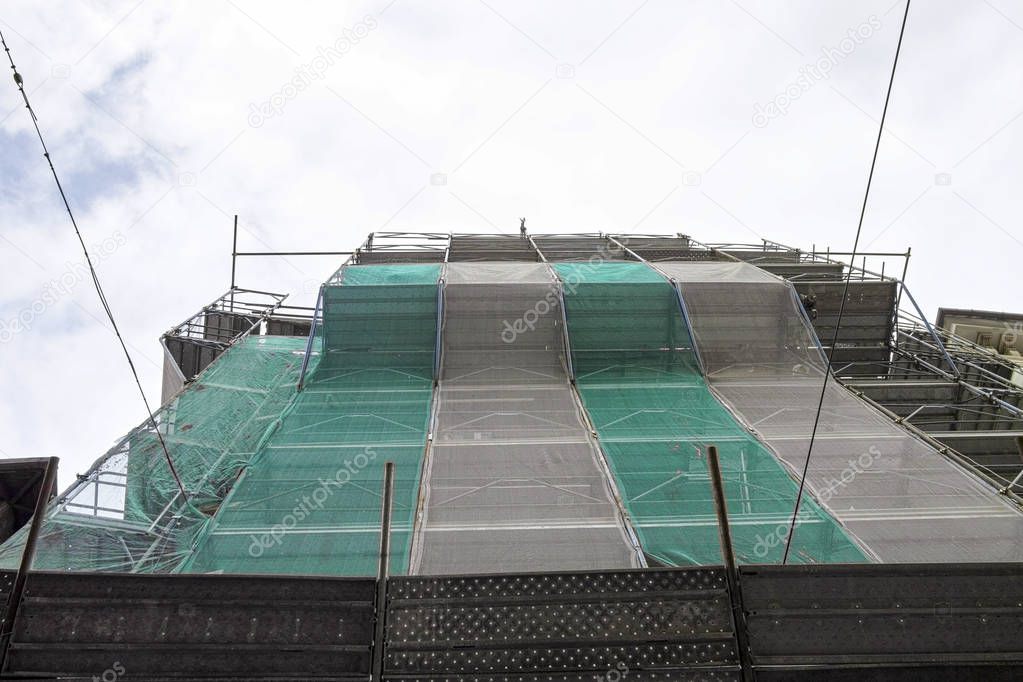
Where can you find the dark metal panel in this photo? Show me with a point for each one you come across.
(282, 326)
(761, 256)
(891, 614)
(536, 658)
(892, 673)
(193, 625)
(213, 621)
(804, 269)
(20, 480)
(612, 584)
(869, 309)
(268, 589)
(558, 623)
(238, 662)
(224, 326)
(868, 358)
(394, 256)
(491, 248)
(578, 248)
(618, 673)
(193, 355)
(6, 583)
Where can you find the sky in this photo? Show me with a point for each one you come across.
(318, 123)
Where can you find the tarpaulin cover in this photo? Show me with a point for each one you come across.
(515, 481)
(311, 502)
(639, 378)
(126, 515)
(898, 495)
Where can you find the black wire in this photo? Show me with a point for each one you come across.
(845, 291)
(92, 271)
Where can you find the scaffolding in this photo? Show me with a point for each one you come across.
(195, 343)
(391, 354)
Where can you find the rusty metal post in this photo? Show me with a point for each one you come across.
(731, 570)
(380, 634)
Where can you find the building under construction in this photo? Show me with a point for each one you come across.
(557, 456)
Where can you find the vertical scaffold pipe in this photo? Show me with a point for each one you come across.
(689, 325)
(317, 312)
(731, 570)
(380, 629)
(440, 326)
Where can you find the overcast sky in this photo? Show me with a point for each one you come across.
(729, 121)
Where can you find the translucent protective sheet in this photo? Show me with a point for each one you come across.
(497, 273)
(311, 502)
(900, 497)
(126, 515)
(638, 375)
(514, 481)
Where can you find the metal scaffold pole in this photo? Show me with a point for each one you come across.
(380, 630)
(731, 569)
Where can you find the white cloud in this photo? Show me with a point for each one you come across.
(134, 98)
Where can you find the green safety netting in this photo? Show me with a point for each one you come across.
(311, 501)
(126, 514)
(639, 378)
(379, 275)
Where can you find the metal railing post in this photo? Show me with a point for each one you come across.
(566, 340)
(731, 570)
(234, 258)
(930, 329)
(380, 633)
(439, 338)
(689, 325)
(317, 311)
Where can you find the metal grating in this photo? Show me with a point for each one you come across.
(810, 622)
(568, 623)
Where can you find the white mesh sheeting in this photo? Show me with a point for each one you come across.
(514, 481)
(496, 273)
(749, 325)
(716, 272)
(900, 497)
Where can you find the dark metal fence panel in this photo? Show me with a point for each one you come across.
(567, 623)
(242, 626)
(837, 622)
(6, 583)
(890, 616)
